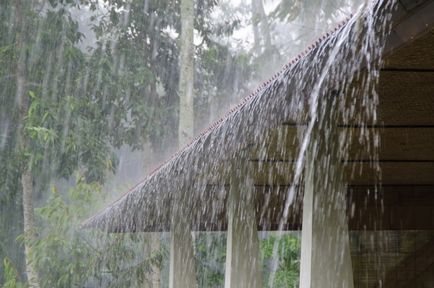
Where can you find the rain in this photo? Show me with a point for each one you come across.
(216, 143)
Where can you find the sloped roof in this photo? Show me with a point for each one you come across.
(199, 172)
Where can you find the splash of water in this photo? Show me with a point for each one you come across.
(351, 55)
(355, 56)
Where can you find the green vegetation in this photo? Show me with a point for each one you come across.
(211, 256)
(73, 92)
(288, 263)
(11, 275)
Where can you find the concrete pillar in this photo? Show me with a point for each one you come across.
(182, 271)
(325, 246)
(243, 266)
(182, 262)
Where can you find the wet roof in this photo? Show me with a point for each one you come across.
(406, 125)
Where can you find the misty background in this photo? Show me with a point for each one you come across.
(90, 104)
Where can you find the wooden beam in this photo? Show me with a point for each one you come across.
(376, 126)
(349, 161)
(411, 268)
(407, 70)
(385, 126)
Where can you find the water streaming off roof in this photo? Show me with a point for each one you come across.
(319, 177)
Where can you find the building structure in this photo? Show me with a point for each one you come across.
(339, 144)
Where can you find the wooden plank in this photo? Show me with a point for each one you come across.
(408, 270)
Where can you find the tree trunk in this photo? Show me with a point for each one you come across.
(186, 77)
(29, 226)
(256, 32)
(261, 28)
(182, 272)
(26, 174)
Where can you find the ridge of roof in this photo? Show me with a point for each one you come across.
(218, 123)
(215, 124)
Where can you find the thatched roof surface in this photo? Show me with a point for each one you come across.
(263, 123)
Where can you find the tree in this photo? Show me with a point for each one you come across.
(65, 110)
(157, 45)
(261, 28)
(74, 107)
(186, 79)
(11, 275)
(23, 144)
(288, 259)
(57, 117)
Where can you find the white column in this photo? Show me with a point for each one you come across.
(243, 266)
(182, 262)
(182, 273)
(325, 246)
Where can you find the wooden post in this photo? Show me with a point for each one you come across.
(243, 267)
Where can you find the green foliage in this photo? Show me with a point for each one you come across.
(61, 256)
(68, 256)
(286, 10)
(10, 275)
(288, 255)
(210, 259)
(82, 105)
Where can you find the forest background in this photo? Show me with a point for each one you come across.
(94, 93)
